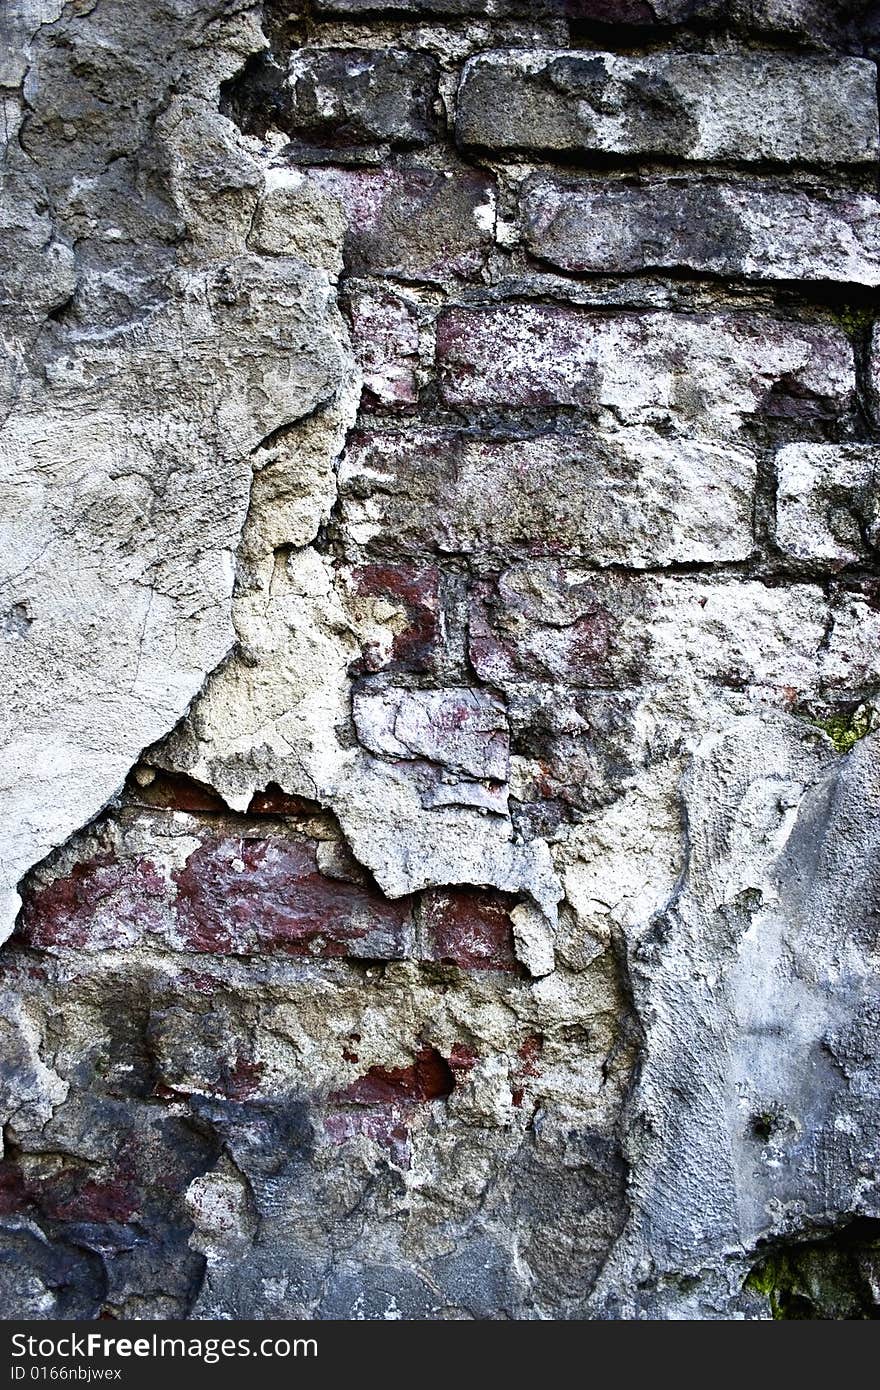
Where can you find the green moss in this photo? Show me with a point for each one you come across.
(825, 1279)
(774, 1278)
(854, 321)
(845, 730)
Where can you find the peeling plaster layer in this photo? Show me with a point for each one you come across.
(132, 412)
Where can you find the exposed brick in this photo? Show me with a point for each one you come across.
(469, 928)
(99, 904)
(826, 502)
(541, 622)
(578, 747)
(383, 1105)
(247, 896)
(765, 107)
(462, 1058)
(722, 229)
(700, 374)
(385, 331)
(421, 224)
(826, 20)
(175, 792)
(427, 1078)
(272, 801)
(388, 1126)
(397, 613)
(636, 12)
(630, 497)
(873, 382)
(348, 98)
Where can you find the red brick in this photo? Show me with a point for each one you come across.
(387, 1125)
(383, 1104)
(462, 1058)
(103, 902)
(175, 792)
(415, 592)
(427, 1078)
(275, 802)
(470, 928)
(247, 896)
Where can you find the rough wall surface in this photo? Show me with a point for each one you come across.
(440, 621)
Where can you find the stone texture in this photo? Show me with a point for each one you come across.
(464, 731)
(815, 19)
(444, 788)
(614, 498)
(789, 1059)
(707, 375)
(764, 107)
(125, 447)
(826, 502)
(385, 333)
(873, 373)
(596, 227)
(397, 614)
(351, 97)
(413, 223)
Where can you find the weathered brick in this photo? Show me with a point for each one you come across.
(722, 229)
(173, 791)
(873, 382)
(701, 374)
(469, 928)
(543, 622)
(396, 613)
(247, 896)
(579, 747)
(383, 1105)
(826, 502)
(640, 14)
(101, 903)
(427, 1078)
(686, 106)
(827, 20)
(237, 895)
(462, 730)
(349, 98)
(385, 331)
(421, 224)
(629, 497)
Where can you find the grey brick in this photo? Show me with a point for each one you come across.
(353, 97)
(704, 375)
(728, 107)
(826, 503)
(625, 497)
(722, 229)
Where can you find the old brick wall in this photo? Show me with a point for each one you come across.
(486, 926)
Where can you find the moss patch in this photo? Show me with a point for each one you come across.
(831, 1279)
(845, 730)
(854, 321)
